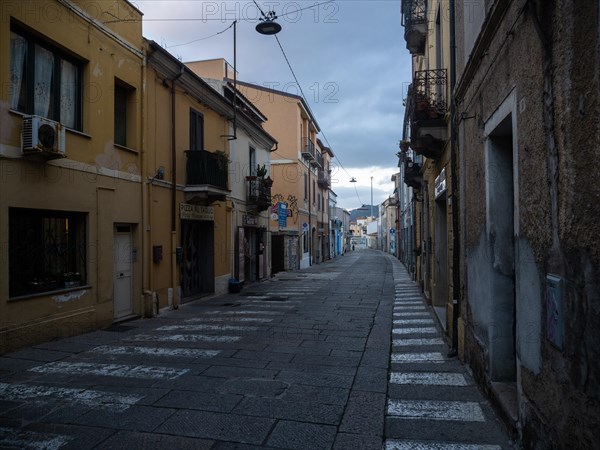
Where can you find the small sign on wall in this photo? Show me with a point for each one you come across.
(554, 310)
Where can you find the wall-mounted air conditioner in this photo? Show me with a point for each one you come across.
(43, 137)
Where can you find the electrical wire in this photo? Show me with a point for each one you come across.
(202, 39)
(306, 101)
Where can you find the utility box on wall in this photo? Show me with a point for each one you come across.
(554, 310)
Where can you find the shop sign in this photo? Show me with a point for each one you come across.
(440, 183)
(282, 214)
(249, 221)
(196, 212)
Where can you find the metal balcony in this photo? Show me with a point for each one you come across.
(324, 178)
(259, 193)
(414, 19)
(308, 149)
(428, 108)
(206, 175)
(318, 161)
(412, 174)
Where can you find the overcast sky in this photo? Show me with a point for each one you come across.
(348, 55)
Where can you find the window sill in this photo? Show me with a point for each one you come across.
(70, 130)
(127, 149)
(48, 293)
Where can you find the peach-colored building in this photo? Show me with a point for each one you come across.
(299, 167)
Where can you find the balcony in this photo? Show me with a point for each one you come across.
(414, 15)
(324, 178)
(259, 192)
(428, 108)
(206, 176)
(308, 149)
(412, 174)
(318, 161)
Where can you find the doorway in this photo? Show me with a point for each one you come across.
(122, 253)
(500, 204)
(197, 265)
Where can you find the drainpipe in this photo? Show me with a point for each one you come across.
(146, 213)
(454, 181)
(310, 243)
(174, 181)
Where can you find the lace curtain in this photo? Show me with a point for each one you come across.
(18, 52)
(42, 88)
(68, 93)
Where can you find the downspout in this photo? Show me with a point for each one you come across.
(146, 230)
(454, 181)
(174, 183)
(310, 243)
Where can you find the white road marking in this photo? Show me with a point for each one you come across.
(430, 357)
(435, 410)
(410, 342)
(155, 351)
(408, 307)
(243, 312)
(412, 314)
(206, 328)
(405, 303)
(111, 370)
(184, 338)
(231, 319)
(86, 397)
(15, 438)
(428, 378)
(394, 444)
(424, 330)
(413, 322)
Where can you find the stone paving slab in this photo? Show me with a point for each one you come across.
(238, 372)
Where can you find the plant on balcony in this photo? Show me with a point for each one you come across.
(261, 171)
(222, 158)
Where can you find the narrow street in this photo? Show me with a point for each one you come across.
(344, 355)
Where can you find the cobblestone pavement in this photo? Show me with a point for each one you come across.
(301, 361)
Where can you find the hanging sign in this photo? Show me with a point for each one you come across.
(282, 214)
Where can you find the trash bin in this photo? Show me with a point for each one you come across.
(235, 286)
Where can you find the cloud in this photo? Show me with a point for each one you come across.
(349, 57)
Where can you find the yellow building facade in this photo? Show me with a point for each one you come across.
(71, 144)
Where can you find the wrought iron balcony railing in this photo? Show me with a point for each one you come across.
(308, 149)
(318, 159)
(324, 178)
(429, 94)
(259, 192)
(412, 174)
(206, 168)
(414, 18)
(414, 12)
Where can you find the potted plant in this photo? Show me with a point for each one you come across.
(261, 171)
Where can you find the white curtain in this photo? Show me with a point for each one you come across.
(18, 52)
(68, 93)
(44, 66)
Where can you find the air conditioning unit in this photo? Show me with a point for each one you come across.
(43, 138)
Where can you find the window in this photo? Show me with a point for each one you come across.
(305, 242)
(314, 191)
(252, 161)
(305, 187)
(196, 130)
(123, 120)
(44, 81)
(47, 250)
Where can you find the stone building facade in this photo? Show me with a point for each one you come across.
(527, 108)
